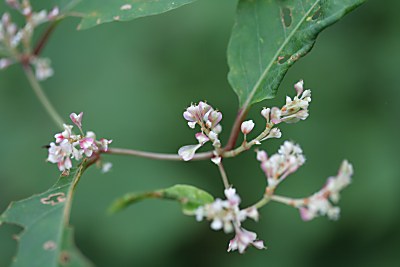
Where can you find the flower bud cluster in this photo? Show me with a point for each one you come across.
(69, 146)
(294, 110)
(277, 167)
(11, 36)
(226, 215)
(321, 203)
(208, 119)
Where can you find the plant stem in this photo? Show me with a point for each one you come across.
(45, 37)
(236, 129)
(288, 201)
(157, 156)
(262, 202)
(223, 175)
(42, 96)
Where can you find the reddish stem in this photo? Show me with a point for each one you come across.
(236, 129)
(45, 37)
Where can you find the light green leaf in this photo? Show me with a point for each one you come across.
(269, 36)
(95, 12)
(46, 239)
(190, 198)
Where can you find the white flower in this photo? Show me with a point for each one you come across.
(226, 215)
(43, 68)
(247, 126)
(106, 167)
(243, 239)
(208, 119)
(88, 145)
(76, 119)
(299, 87)
(74, 146)
(187, 152)
(320, 203)
(288, 159)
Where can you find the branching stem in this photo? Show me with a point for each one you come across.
(42, 96)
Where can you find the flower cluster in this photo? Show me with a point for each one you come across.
(320, 203)
(208, 119)
(277, 167)
(11, 37)
(69, 146)
(294, 110)
(226, 215)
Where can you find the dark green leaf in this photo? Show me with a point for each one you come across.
(270, 35)
(95, 12)
(190, 197)
(46, 239)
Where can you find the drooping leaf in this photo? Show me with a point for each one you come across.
(46, 239)
(270, 35)
(95, 12)
(190, 198)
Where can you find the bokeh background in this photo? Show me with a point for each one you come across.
(133, 80)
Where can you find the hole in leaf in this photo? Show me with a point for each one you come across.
(286, 14)
(317, 14)
(283, 59)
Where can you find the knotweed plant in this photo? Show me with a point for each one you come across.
(258, 61)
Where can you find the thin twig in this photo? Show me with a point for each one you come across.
(42, 96)
(157, 156)
(223, 175)
(45, 37)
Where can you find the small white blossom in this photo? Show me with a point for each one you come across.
(77, 119)
(226, 215)
(216, 160)
(208, 119)
(5, 62)
(42, 68)
(299, 87)
(277, 167)
(320, 203)
(247, 126)
(72, 146)
(187, 152)
(106, 167)
(243, 239)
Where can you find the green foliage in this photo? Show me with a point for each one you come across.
(95, 12)
(270, 36)
(189, 197)
(46, 240)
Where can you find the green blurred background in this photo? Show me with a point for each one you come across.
(133, 81)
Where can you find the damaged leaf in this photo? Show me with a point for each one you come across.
(46, 238)
(270, 36)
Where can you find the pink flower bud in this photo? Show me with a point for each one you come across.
(76, 119)
(53, 13)
(202, 138)
(299, 87)
(247, 126)
(265, 113)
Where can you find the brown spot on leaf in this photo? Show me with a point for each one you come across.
(53, 199)
(283, 59)
(64, 258)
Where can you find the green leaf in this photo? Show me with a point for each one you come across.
(46, 240)
(95, 12)
(190, 198)
(269, 36)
